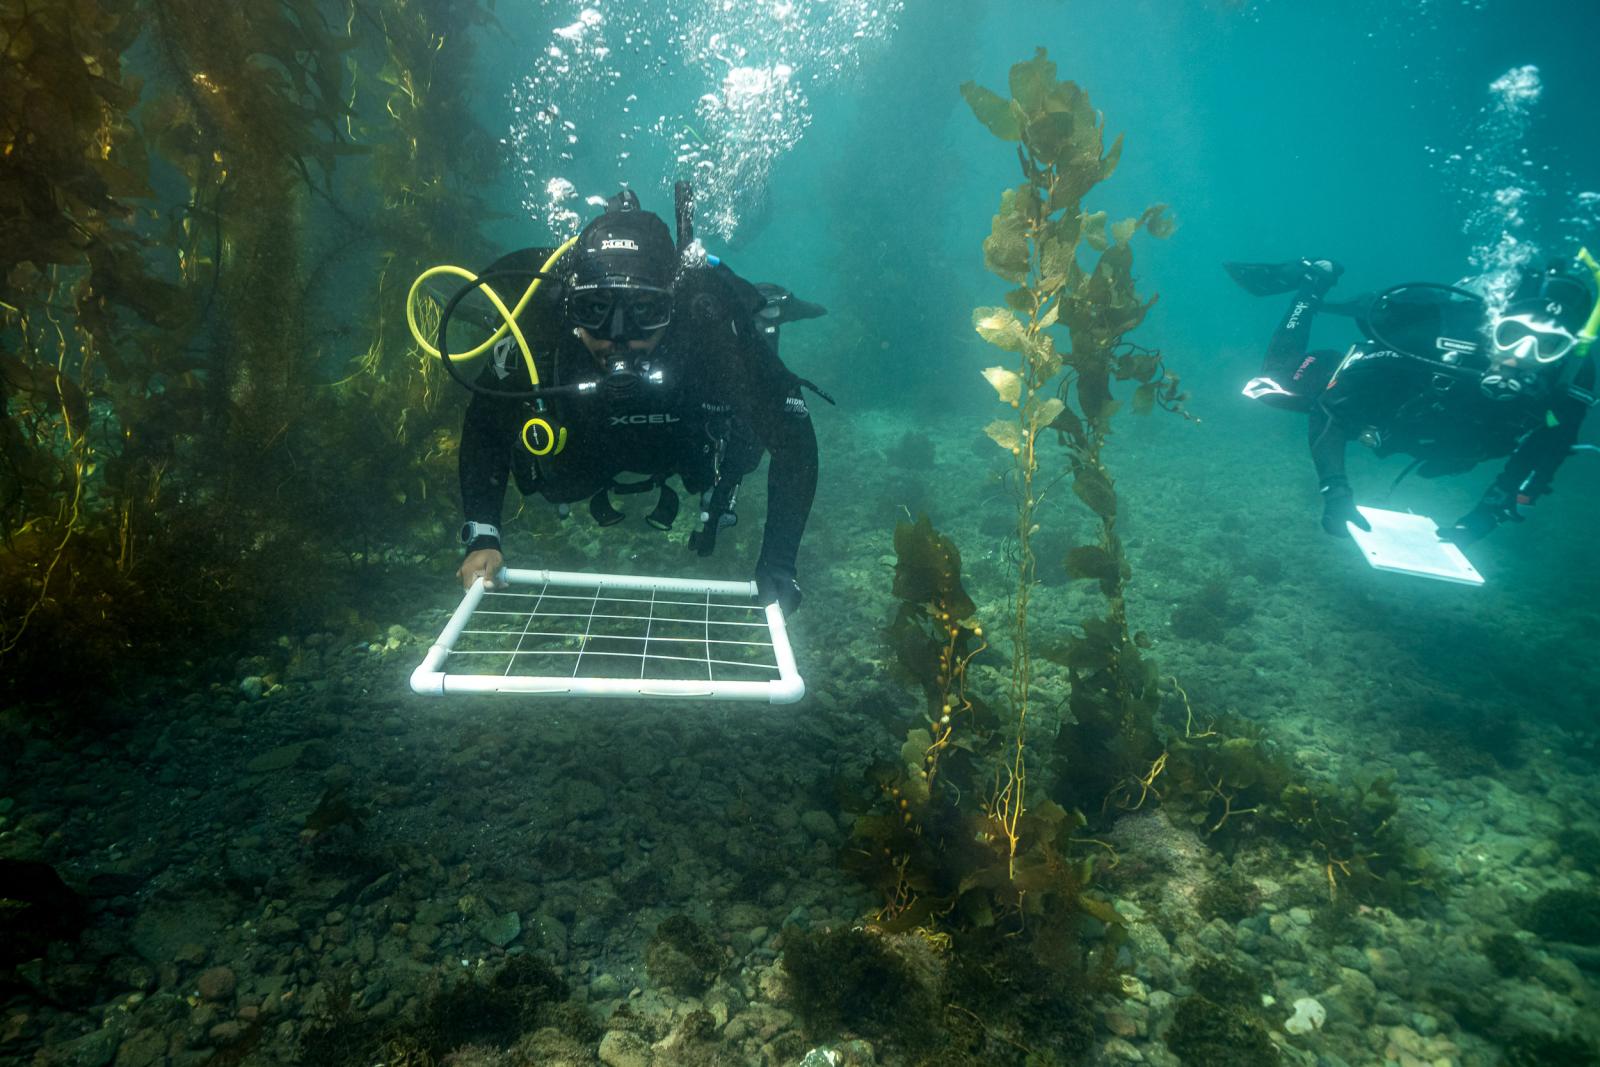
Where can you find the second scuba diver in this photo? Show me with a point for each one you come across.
(645, 358)
(1440, 378)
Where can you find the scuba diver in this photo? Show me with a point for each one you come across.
(648, 358)
(1440, 377)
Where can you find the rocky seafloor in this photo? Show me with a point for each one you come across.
(300, 862)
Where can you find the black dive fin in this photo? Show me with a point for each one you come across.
(1267, 279)
(796, 309)
(782, 306)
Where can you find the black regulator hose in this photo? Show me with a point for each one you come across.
(449, 364)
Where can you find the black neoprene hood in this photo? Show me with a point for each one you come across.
(625, 248)
(1553, 295)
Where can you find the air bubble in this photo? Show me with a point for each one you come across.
(755, 64)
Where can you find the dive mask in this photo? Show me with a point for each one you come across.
(617, 313)
(1527, 339)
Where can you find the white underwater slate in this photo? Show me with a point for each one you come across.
(1409, 544)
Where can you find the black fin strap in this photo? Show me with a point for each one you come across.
(602, 512)
(804, 384)
(630, 488)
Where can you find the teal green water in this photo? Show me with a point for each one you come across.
(305, 863)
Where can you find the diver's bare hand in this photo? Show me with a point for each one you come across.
(485, 562)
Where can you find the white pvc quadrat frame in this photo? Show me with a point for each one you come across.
(571, 589)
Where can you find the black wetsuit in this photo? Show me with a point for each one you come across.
(1408, 404)
(712, 396)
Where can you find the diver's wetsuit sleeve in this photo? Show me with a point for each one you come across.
(773, 407)
(487, 433)
(1363, 388)
(1532, 467)
(1328, 437)
(791, 488)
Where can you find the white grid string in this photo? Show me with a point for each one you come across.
(583, 644)
(524, 635)
(527, 635)
(644, 658)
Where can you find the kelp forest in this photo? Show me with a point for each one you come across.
(969, 844)
(209, 217)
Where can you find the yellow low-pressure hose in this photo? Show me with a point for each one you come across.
(509, 314)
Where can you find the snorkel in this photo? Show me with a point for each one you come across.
(1591, 329)
(1584, 338)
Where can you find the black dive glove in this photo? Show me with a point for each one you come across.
(1339, 507)
(1497, 506)
(777, 585)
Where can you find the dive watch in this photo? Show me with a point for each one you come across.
(471, 531)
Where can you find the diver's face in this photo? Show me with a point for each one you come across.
(1528, 341)
(609, 319)
(602, 348)
(1522, 347)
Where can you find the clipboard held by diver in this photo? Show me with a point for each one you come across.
(1409, 544)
